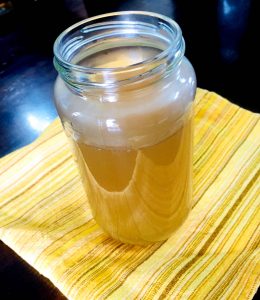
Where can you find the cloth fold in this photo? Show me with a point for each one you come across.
(45, 218)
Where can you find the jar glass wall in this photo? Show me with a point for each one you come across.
(125, 97)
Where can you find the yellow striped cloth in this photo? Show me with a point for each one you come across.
(45, 218)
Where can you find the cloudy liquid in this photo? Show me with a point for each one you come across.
(142, 195)
(139, 191)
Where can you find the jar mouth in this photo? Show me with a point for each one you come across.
(114, 30)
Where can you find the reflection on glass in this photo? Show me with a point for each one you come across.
(37, 123)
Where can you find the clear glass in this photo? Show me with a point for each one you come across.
(125, 97)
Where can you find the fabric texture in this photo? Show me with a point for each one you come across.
(45, 218)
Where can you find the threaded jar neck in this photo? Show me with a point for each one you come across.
(121, 30)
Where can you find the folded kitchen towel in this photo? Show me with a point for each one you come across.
(45, 218)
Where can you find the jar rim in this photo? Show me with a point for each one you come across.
(72, 72)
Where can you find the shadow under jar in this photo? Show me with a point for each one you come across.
(125, 97)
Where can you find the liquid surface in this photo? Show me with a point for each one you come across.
(119, 57)
(134, 149)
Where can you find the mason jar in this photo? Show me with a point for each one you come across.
(125, 96)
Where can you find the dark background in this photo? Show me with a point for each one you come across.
(221, 42)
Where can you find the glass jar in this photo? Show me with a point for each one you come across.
(124, 95)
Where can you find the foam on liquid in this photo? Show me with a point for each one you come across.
(132, 118)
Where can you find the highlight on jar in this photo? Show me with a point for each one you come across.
(125, 96)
